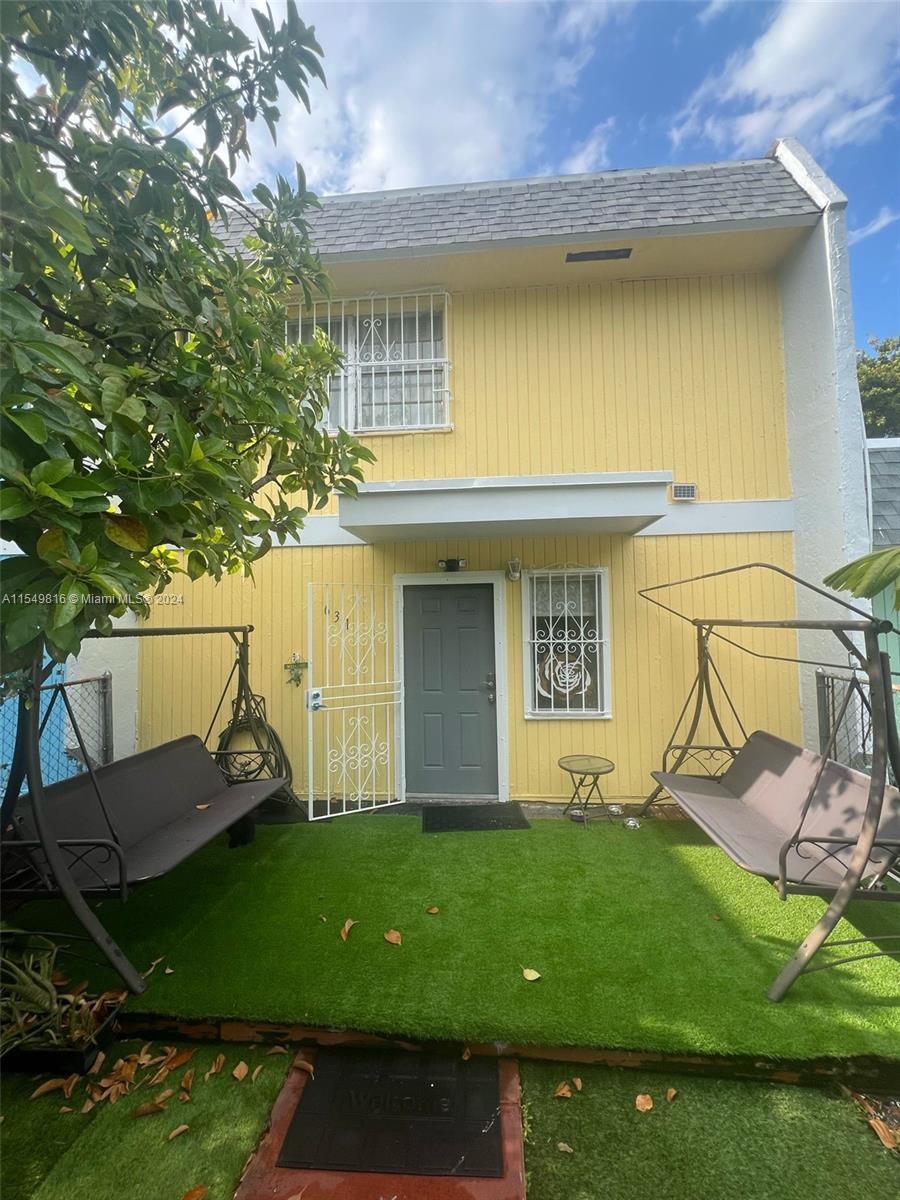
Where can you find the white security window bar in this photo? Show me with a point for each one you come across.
(566, 644)
(395, 373)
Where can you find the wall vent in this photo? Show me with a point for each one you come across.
(684, 491)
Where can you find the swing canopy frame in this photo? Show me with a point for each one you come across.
(135, 819)
(806, 823)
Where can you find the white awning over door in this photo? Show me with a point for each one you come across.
(506, 506)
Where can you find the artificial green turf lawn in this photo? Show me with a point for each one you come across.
(620, 923)
(109, 1154)
(718, 1138)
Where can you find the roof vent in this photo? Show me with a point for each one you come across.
(684, 491)
(598, 255)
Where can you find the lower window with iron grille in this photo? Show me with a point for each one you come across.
(566, 643)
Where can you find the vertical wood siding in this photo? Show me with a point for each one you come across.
(652, 652)
(678, 374)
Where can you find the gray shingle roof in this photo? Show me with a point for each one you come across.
(884, 465)
(607, 202)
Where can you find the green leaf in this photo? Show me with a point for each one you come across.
(127, 532)
(29, 422)
(52, 470)
(14, 504)
(196, 564)
(52, 545)
(73, 595)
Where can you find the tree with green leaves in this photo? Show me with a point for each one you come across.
(879, 387)
(153, 418)
(870, 575)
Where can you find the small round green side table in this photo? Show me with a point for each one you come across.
(586, 771)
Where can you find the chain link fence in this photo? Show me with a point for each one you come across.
(852, 733)
(62, 755)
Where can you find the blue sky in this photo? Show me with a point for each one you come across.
(423, 92)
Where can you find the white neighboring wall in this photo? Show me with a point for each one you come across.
(827, 442)
(120, 657)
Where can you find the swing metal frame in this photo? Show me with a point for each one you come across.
(715, 759)
(45, 865)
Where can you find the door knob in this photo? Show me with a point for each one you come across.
(491, 687)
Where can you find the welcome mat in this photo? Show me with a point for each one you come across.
(457, 818)
(389, 1111)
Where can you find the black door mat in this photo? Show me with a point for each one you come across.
(389, 1111)
(455, 818)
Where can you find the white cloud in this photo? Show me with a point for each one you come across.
(593, 153)
(713, 9)
(885, 217)
(431, 93)
(823, 72)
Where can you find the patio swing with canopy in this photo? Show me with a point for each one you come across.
(121, 824)
(808, 824)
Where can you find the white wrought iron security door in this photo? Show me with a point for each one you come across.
(353, 700)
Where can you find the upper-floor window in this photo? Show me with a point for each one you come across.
(395, 373)
(566, 643)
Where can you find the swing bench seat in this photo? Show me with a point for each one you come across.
(160, 806)
(753, 810)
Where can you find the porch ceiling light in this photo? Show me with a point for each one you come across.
(451, 564)
(514, 570)
(580, 256)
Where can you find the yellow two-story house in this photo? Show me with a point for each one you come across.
(575, 388)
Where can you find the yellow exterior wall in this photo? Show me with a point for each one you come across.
(652, 652)
(676, 374)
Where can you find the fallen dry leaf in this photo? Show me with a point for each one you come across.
(51, 1085)
(255, 1075)
(564, 1147)
(177, 1132)
(149, 1109)
(218, 1064)
(716, 917)
(169, 971)
(240, 1071)
(302, 1065)
(393, 936)
(299, 1195)
(323, 918)
(277, 1050)
(563, 1091)
(888, 1138)
(188, 1081)
(65, 1108)
(530, 974)
(577, 1082)
(196, 1193)
(643, 1102)
(87, 1106)
(69, 1085)
(164, 1096)
(345, 929)
(671, 1093)
(466, 1054)
(98, 1063)
(433, 911)
(152, 966)
(201, 807)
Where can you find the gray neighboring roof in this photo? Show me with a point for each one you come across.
(884, 466)
(606, 202)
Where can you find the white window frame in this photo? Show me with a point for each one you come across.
(532, 713)
(352, 312)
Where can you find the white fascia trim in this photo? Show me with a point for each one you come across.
(887, 443)
(697, 517)
(487, 482)
(804, 169)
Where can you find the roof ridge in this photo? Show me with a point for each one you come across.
(585, 177)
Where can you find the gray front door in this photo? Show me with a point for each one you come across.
(450, 691)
